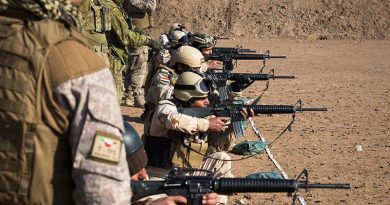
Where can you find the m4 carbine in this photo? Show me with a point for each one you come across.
(227, 58)
(234, 112)
(179, 182)
(220, 79)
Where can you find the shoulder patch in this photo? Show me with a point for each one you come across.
(164, 78)
(106, 147)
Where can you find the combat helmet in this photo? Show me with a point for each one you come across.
(135, 152)
(177, 35)
(201, 41)
(186, 57)
(190, 86)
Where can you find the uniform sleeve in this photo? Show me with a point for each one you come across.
(167, 114)
(101, 177)
(149, 6)
(161, 88)
(124, 34)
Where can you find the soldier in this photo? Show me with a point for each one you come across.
(190, 90)
(169, 130)
(60, 125)
(119, 38)
(137, 160)
(140, 13)
(176, 37)
(205, 43)
(185, 58)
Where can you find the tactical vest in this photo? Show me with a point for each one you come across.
(95, 21)
(35, 157)
(139, 19)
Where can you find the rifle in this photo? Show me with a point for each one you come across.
(233, 111)
(227, 58)
(183, 182)
(220, 79)
(220, 38)
(235, 50)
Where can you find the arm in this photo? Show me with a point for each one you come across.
(169, 117)
(91, 103)
(125, 35)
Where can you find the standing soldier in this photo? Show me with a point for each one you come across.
(105, 26)
(140, 13)
(60, 126)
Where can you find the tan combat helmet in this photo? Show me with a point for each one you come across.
(177, 35)
(190, 85)
(188, 56)
(177, 27)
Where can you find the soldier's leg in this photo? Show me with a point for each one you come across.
(116, 68)
(221, 166)
(138, 69)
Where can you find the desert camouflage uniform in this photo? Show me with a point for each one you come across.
(140, 13)
(75, 102)
(95, 181)
(167, 119)
(119, 39)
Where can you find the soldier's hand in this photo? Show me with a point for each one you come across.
(210, 199)
(217, 123)
(170, 200)
(212, 64)
(155, 44)
(244, 113)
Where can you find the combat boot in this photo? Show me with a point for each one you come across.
(129, 101)
(139, 102)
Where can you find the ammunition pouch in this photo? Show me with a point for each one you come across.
(189, 155)
(97, 18)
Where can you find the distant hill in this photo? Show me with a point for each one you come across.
(314, 19)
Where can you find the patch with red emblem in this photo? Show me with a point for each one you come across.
(107, 147)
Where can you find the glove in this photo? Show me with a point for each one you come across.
(155, 45)
(241, 82)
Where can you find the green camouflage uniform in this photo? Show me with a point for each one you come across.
(119, 38)
(94, 22)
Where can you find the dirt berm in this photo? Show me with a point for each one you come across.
(307, 19)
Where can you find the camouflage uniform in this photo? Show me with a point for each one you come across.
(95, 22)
(61, 114)
(166, 119)
(140, 13)
(119, 39)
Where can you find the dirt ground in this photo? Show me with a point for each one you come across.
(350, 78)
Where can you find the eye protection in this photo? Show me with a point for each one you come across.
(200, 87)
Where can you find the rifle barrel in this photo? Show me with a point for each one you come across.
(282, 76)
(254, 56)
(314, 109)
(325, 186)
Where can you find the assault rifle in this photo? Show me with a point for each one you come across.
(220, 79)
(235, 50)
(227, 58)
(184, 183)
(233, 111)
